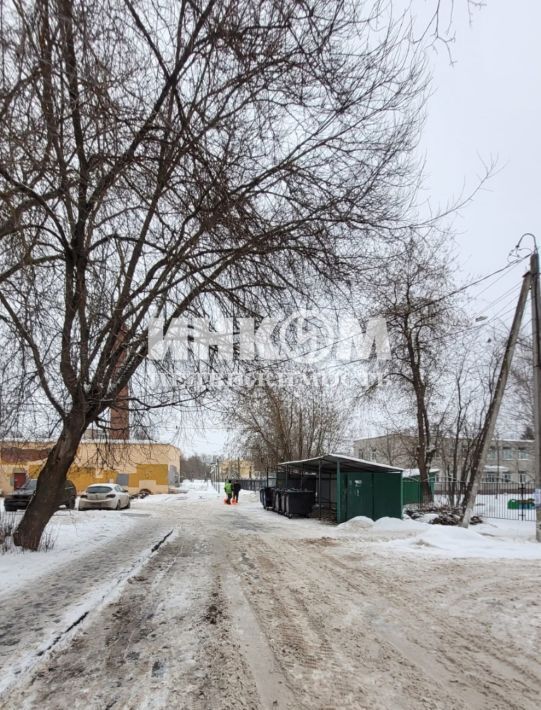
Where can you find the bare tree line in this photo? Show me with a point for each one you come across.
(276, 421)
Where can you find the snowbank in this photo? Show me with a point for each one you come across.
(397, 525)
(494, 539)
(361, 522)
(69, 534)
(195, 485)
(190, 490)
(454, 541)
(201, 490)
(365, 528)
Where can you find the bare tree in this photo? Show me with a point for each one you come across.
(278, 422)
(474, 371)
(413, 296)
(519, 398)
(436, 26)
(194, 467)
(163, 159)
(445, 366)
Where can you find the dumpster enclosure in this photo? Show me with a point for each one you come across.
(345, 487)
(411, 485)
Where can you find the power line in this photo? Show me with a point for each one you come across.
(467, 286)
(472, 327)
(414, 310)
(513, 290)
(514, 263)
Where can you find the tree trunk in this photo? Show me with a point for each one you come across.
(426, 491)
(423, 433)
(51, 482)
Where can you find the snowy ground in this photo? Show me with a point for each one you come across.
(496, 505)
(242, 608)
(92, 554)
(494, 539)
(70, 534)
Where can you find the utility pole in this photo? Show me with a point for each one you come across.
(487, 433)
(536, 330)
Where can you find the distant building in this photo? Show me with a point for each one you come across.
(136, 465)
(508, 460)
(235, 468)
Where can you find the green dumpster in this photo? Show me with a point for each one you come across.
(525, 504)
(411, 488)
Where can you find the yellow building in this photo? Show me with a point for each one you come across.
(136, 465)
(235, 468)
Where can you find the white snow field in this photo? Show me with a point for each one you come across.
(240, 608)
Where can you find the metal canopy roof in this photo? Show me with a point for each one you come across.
(347, 463)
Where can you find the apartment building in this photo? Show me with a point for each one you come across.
(511, 460)
(508, 460)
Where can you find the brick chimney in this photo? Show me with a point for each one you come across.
(119, 426)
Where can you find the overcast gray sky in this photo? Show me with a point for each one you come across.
(485, 106)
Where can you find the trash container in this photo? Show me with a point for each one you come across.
(299, 503)
(521, 504)
(266, 496)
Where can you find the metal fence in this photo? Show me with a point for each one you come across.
(256, 484)
(248, 484)
(498, 499)
(495, 499)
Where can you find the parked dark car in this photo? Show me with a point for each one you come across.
(20, 498)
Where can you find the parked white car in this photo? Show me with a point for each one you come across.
(104, 495)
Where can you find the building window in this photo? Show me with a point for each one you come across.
(506, 477)
(507, 453)
(523, 454)
(374, 455)
(523, 476)
(491, 477)
(491, 454)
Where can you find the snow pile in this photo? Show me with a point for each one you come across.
(397, 525)
(198, 490)
(190, 490)
(460, 542)
(497, 539)
(509, 530)
(195, 485)
(366, 529)
(361, 522)
(204, 491)
(451, 539)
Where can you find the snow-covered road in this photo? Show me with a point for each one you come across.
(44, 594)
(240, 608)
